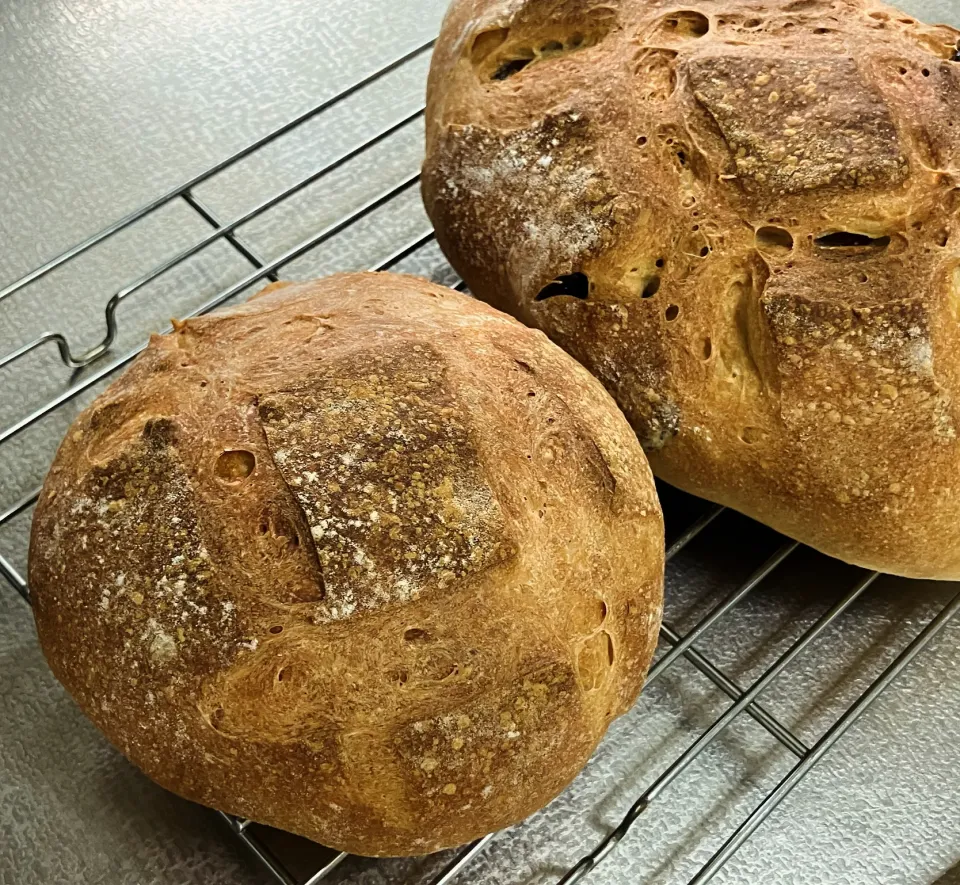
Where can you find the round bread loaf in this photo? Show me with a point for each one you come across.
(744, 219)
(362, 559)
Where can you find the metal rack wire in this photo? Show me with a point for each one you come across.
(678, 645)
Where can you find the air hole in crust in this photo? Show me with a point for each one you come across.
(485, 42)
(774, 239)
(686, 23)
(217, 717)
(650, 288)
(276, 629)
(848, 240)
(574, 285)
(279, 529)
(707, 348)
(750, 435)
(594, 660)
(415, 634)
(511, 67)
(235, 465)
(672, 312)
(603, 611)
(503, 62)
(283, 673)
(641, 140)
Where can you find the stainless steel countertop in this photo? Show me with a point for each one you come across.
(104, 104)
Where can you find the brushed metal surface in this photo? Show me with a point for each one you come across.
(104, 104)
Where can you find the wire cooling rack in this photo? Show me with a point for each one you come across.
(283, 856)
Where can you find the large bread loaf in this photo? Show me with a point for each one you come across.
(362, 559)
(744, 218)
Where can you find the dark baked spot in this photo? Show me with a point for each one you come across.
(380, 457)
(235, 465)
(416, 634)
(160, 433)
(575, 285)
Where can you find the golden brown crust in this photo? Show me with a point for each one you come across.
(362, 559)
(752, 212)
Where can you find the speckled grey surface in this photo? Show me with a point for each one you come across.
(104, 105)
